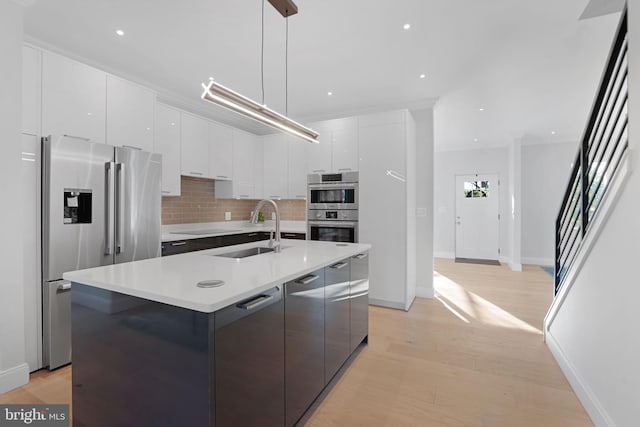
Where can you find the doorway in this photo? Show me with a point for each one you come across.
(477, 221)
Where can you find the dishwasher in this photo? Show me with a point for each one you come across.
(249, 361)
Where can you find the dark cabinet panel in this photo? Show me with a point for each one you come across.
(359, 298)
(304, 343)
(295, 236)
(174, 248)
(249, 362)
(337, 323)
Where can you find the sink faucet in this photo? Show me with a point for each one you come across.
(254, 219)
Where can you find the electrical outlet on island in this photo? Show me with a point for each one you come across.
(227, 216)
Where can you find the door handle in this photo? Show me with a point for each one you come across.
(179, 244)
(121, 208)
(361, 256)
(109, 207)
(339, 265)
(255, 303)
(307, 279)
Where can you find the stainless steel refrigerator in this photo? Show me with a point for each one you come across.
(101, 205)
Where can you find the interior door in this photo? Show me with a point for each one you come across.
(139, 192)
(477, 216)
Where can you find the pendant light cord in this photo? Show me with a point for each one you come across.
(262, 55)
(286, 68)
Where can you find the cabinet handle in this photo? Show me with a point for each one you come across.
(339, 265)
(222, 176)
(78, 137)
(196, 173)
(179, 244)
(361, 256)
(319, 170)
(344, 169)
(256, 302)
(307, 279)
(275, 197)
(166, 192)
(301, 197)
(252, 234)
(246, 196)
(289, 235)
(133, 147)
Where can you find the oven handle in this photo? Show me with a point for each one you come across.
(326, 186)
(336, 224)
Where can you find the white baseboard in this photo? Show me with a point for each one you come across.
(447, 255)
(14, 377)
(388, 304)
(424, 292)
(591, 404)
(538, 261)
(515, 267)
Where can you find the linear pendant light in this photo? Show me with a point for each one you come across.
(231, 100)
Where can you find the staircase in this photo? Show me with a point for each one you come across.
(604, 146)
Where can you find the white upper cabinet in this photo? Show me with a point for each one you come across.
(345, 145)
(195, 146)
(167, 143)
(246, 180)
(73, 98)
(130, 114)
(275, 166)
(31, 90)
(220, 152)
(297, 178)
(338, 147)
(319, 155)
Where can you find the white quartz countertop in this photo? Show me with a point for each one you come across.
(173, 279)
(172, 233)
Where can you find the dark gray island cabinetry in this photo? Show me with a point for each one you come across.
(260, 360)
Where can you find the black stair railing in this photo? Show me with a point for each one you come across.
(602, 148)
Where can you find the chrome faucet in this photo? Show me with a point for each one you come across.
(254, 219)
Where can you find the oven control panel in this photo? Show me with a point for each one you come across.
(333, 215)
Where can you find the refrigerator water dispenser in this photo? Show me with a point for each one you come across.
(77, 206)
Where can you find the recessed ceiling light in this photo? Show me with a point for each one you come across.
(120, 32)
(173, 124)
(329, 93)
(480, 109)
(406, 26)
(553, 132)
(475, 139)
(422, 76)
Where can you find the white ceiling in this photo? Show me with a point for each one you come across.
(532, 65)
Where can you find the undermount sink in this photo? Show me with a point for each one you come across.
(243, 253)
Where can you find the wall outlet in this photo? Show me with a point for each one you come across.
(227, 216)
(273, 216)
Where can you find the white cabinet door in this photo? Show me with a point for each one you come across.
(275, 166)
(195, 146)
(31, 90)
(130, 114)
(345, 147)
(245, 156)
(319, 155)
(258, 168)
(297, 169)
(167, 143)
(73, 98)
(220, 152)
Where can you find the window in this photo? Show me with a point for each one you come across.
(476, 189)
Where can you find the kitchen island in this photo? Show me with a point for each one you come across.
(151, 347)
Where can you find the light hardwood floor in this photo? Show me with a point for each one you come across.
(473, 356)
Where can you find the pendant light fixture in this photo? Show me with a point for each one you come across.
(224, 97)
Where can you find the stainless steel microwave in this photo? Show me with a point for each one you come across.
(333, 191)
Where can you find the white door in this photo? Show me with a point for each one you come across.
(477, 220)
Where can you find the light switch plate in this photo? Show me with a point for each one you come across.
(273, 216)
(227, 216)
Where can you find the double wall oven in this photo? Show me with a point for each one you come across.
(332, 203)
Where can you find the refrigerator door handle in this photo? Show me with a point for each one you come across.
(121, 209)
(109, 207)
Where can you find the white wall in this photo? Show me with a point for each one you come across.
(424, 202)
(448, 164)
(595, 334)
(545, 171)
(13, 369)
